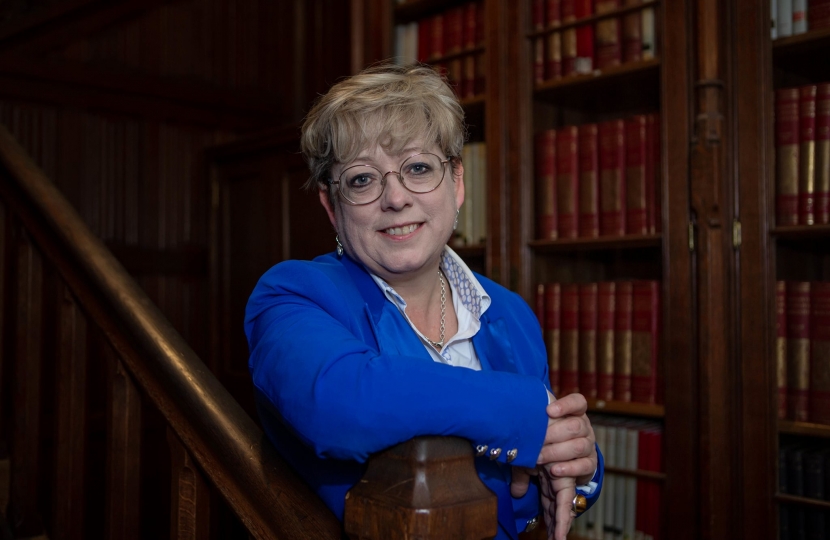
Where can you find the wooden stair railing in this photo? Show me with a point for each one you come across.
(60, 285)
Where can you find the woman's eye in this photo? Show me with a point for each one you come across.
(418, 168)
(359, 181)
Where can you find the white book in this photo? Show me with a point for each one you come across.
(620, 487)
(649, 44)
(631, 455)
(773, 27)
(601, 435)
(799, 16)
(470, 197)
(461, 232)
(785, 18)
(609, 491)
(481, 195)
(400, 43)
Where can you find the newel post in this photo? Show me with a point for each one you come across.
(426, 488)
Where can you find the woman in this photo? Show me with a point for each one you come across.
(392, 336)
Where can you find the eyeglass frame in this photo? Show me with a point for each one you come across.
(398, 173)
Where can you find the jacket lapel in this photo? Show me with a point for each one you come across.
(493, 346)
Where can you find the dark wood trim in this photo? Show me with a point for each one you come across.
(189, 494)
(185, 261)
(458, 54)
(626, 408)
(804, 428)
(412, 10)
(645, 475)
(802, 501)
(600, 243)
(800, 43)
(598, 76)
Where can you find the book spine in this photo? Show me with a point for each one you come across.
(650, 173)
(635, 177)
(545, 148)
(785, 18)
(539, 305)
(436, 50)
(657, 160)
(798, 349)
(612, 178)
(553, 317)
(569, 344)
(649, 36)
(632, 33)
(773, 5)
(424, 39)
(786, 156)
(818, 14)
(643, 457)
(799, 16)
(609, 36)
(454, 29)
(567, 188)
(538, 11)
(480, 63)
(819, 398)
(822, 175)
(644, 340)
(609, 484)
(631, 453)
(569, 43)
(480, 201)
(553, 52)
(588, 340)
(606, 301)
(807, 155)
(584, 38)
(588, 149)
(622, 340)
(781, 345)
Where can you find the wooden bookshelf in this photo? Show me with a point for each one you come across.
(600, 243)
(412, 10)
(790, 427)
(645, 475)
(641, 75)
(627, 408)
(594, 19)
(802, 501)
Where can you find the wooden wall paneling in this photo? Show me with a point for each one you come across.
(374, 42)
(23, 515)
(752, 99)
(682, 515)
(8, 304)
(189, 494)
(122, 517)
(713, 207)
(70, 470)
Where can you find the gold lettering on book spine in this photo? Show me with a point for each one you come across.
(641, 354)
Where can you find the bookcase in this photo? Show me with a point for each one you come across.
(513, 108)
(786, 251)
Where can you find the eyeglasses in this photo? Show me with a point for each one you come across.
(364, 184)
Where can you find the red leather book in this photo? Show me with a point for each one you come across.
(569, 343)
(818, 14)
(612, 178)
(624, 304)
(822, 200)
(819, 398)
(652, 125)
(470, 34)
(553, 318)
(781, 345)
(636, 221)
(786, 156)
(606, 300)
(425, 39)
(798, 349)
(632, 33)
(539, 305)
(609, 35)
(437, 50)
(588, 148)
(567, 183)
(480, 22)
(454, 29)
(538, 14)
(657, 160)
(655, 493)
(643, 486)
(569, 42)
(588, 340)
(644, 341)
(584, 37)
(807, 154)
(546, 211)
(481, 64)
(553, 49)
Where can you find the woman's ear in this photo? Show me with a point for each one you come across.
(325, 200)
(458, 180)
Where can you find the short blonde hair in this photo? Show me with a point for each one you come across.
(384, 104)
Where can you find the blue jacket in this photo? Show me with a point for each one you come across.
(339, 374)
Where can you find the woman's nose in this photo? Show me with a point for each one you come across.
(395, 196)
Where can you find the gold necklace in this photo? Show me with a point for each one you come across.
(439, 344)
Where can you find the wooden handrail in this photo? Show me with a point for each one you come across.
(264, 492)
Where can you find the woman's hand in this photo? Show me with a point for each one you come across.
(557, 503)
(569, 448)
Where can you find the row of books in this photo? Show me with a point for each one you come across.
(803, 350)
(804, 471)
(802, 152)
(602, 338)
(472, 217)
(629, 507)
(595, 45)
(457, 33)
(599, 179)
(793, 17)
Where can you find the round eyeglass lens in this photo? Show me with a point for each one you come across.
(421, 173)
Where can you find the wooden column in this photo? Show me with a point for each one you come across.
(712, 205)
(189, 494)
(123, 453)
(23, 515)
(71, 416)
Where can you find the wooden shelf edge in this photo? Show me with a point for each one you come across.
(597, 75)
(809, 39)
(804, 428)
(413, 10)
(458, 54)
(803, 501)
(603, 242)
(593, 18)
(638, 473)
(626, 408)
(800, 231)
(470, 251)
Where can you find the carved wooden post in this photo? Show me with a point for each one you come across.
(189, 494)
(425, 488)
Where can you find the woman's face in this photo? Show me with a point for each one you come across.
(402, 234)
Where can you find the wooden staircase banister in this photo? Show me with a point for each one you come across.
(264, 492)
